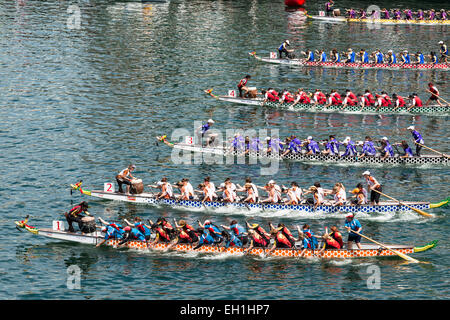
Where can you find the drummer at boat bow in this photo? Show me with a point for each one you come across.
(283, 49)
(76, 215)
(242, 86)
(203, 133)
(125, 177)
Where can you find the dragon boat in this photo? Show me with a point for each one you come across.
(431, 110)
(424, 161)
(351, 65)
(367, 250)
(195, 205)
(369, 20)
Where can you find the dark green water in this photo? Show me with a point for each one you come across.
(83, 103)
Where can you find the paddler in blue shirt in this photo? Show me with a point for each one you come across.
(231, 240)
(335, 56)
(309, 55)
(353, 224)
(419, 58)
(350, 56)
(363, 56)
(322, 56)
(405, 58)
(111, 230)
(391, 57)
(213, 230)
(131, 234)
(417, 138)
(379, 57)
(273, 145)
(204, 238)
(141, 226)
(237, 230)
(238, 143)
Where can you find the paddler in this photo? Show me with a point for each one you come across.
(282, 237)
(335, 56)
(363, 56)
(125, 177)
(379, 57)
(309, 55)
(112, 231)
(360, 198)
(415, 101)
(433, 58)
(417, 138)
(369, 97)
(311, 146)
(340, 196)
(256, 241)
(353, 224)
(76, 215)
(406, 148)
(391, 57)
(204, 238)
(228, 189)
(131, 234)
(350, 56)
(386, 148)
(443, 51)
(162, 234)
(319, 97)
(309, 240)
(420, 59)
(141, 226)
(399, 101)
(372, 184)
(166, 190)
(237, 230)
(283, 49)
(242, 86)
(350, 148)
(230, 240)
(322, 56)
(251, 189)
(434, 95)
(405, 58)
(187, 233)
(295, 194)
(368, 148)
(212, 229)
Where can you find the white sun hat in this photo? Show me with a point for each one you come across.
(366, 173)
(410, 128)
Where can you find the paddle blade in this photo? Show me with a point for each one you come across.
(406, 257)
(423, 213)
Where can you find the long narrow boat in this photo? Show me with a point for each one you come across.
(353, 65)
(148, 198)
(431, 110)
(96, 237)
(381, 21)
(424, 161)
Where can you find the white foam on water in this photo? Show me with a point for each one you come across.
(340, 262)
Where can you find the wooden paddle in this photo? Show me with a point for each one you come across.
(442, 154)
(403, 204)
(438, 97)
(402, 255)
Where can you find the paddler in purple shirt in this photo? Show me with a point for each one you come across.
(397, 15)
(274, 145)
(352, 14)
(238, 142)
(409, 15)
(443, 14)
(362, 14)
(417, 137)
(420, 15)
(350, 149)
(311, 146)
(386, 14)
(432, 15)
(256, 145)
